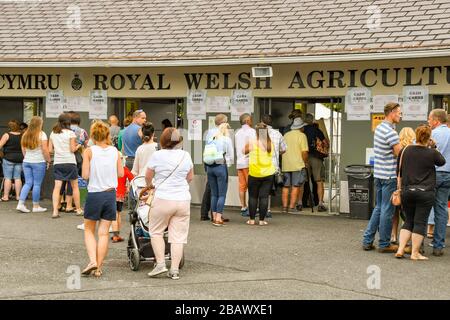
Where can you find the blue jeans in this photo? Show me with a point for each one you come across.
(381, 219)
(431, 217)
(12, 170)
(218, 181)
(34, 175)
(440, 209)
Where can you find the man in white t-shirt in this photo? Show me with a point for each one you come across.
(244, 135)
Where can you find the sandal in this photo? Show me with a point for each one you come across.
(263, 223)
(430, 235)
(399, 256)
(56, 216)
(98, 273)
(419, 258)
(4, 200)
(250, 222)
(89, 269)
(69, 210)
(79, 212)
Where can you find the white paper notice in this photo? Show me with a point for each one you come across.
(415, 103)
(54, 103)
(196, 104)
(241, 102)
(379, 102)
(77, 104)
(98, 104)
(218, 104)
(357, 104)
(195, 130)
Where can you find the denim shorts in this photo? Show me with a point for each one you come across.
(12, 170)
(65, 172)
(100, 206)
(295, 179)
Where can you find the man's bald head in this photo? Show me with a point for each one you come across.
(113, 120)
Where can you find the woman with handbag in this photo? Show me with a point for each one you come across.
(417, 182)
(169, 172)
(261, 173)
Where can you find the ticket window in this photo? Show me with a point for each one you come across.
(18, 109)
(156, 110)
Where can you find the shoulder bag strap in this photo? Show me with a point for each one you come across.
(173, 171)
(152, 191)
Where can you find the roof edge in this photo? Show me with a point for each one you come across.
(229, 61)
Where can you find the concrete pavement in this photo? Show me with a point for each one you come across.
(294, 257)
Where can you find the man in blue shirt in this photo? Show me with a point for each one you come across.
(441, 136)
(387, 147)
(132, 137)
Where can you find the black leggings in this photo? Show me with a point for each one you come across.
(417, 206)
(259, 190)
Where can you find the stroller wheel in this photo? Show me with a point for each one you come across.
(134, 259)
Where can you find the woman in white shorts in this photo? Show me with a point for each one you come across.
(169, 171)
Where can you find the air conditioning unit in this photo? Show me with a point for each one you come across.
(262, 72)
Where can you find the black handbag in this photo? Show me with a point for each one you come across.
(279, 179)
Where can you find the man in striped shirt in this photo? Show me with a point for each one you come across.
(386, 147)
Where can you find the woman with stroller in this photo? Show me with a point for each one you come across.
(169, 171)
(63, 144)
(418, 183)
(12, 159)
(35, 163)
(102, 165)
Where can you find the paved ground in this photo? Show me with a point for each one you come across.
(295, 257)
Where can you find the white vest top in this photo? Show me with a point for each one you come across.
(103, 174)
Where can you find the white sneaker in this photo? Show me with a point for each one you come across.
(110, 229)
(39, 209)
(157, 270)
(22, 208)
(80, 226)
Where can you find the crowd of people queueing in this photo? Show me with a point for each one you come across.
(416, 163)
(265, 159)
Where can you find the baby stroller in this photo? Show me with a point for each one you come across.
(139, 247)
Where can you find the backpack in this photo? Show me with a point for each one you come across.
(212, 152)
(322, 147)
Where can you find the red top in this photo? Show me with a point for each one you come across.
(122, 184)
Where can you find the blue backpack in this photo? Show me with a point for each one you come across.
(213, 152)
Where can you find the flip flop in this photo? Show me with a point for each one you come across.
(56, 217)
(419, 259)
(3, 200)
(88, 270)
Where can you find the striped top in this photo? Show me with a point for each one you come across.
(385, 161)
